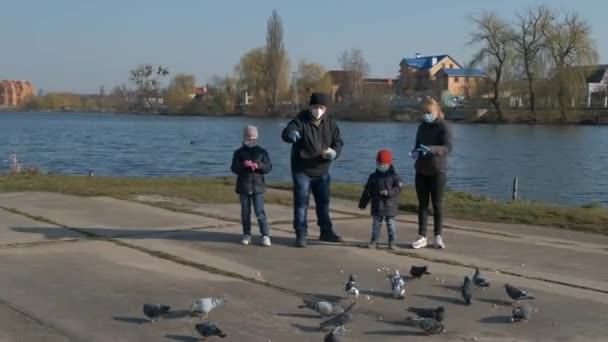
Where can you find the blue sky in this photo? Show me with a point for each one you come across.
(78, 45)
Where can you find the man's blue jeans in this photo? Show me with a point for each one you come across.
(302, 187)
(258, 207)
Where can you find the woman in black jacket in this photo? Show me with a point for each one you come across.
(433, 144)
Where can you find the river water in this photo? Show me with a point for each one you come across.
(562, 164)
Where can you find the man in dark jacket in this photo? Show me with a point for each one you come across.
(250, 163)
(383, 188)
(316, 142)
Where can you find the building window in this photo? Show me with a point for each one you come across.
(456, 79)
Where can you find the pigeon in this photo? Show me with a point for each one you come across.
(467, 290)
(437, 313)
(517, 294)
(155, 311)
(204, 306)
(209, 329)
(324, 308)
(340, 320)
(480, 281)
(332, 336)
(428, 325)
(351, 286)
(397, 285)
(522, 311)
(419, 271)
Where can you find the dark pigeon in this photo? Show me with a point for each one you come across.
(419, 271)
(522, 311)
(467, 290)
(209, 329)
(437, 313)
(340, 320)
(517, 294)
(480, 281)
(332, 336)
(428, 325)
(155, 311)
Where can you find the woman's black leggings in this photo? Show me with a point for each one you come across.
(431, 186)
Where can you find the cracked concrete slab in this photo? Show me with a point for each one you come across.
(17, 327)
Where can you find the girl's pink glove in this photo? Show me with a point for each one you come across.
(247, 163)
(254, 166)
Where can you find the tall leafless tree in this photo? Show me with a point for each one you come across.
(356, 68)
(528, 43)
(147, 78)
(568, 43)
(275, 55)
(493, 36)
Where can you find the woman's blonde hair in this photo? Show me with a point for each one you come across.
(429, 105)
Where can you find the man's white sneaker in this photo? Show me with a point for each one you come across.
(246, 240)
(265, 241)
(419, 243)
(438, 243)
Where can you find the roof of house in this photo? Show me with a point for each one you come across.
(423, 62)
(464, 72)
(597, 73)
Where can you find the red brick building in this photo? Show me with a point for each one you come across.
(14, 93)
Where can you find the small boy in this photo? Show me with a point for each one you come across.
(383, 188)
(250, 163)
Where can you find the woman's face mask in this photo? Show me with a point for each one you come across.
(429, 117)
(382, 167)
(250, 142)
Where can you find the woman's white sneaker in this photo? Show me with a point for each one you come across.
(246, 240)
(438, 243)
(419, 243)
(265, 241)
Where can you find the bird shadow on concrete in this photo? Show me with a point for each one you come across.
(182, 338)
(297, 315)
(449, 300)
(498, 302)
(395, 333)
(131, 320)
(499, 319)
(306, 328)
(379, 294)
(449, 287)
(177, 314)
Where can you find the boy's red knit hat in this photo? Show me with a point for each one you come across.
(385, 157)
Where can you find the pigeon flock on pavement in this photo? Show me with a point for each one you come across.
(336, 319)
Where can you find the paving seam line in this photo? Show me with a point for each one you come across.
(33, 318)
(212, 269)
(39, 243)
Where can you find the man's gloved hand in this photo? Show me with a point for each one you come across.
(330, 154)
(384, 193)
(294, 136)
(415, 154)
(424, 149)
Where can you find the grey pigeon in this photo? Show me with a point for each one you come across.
(332, 336)
(351, 286)
(517, 294)
(419, 271)
(397, 285)
(437, 313)
(522, 311)
(204, 306)
(467, 290)
(480, 281)
(324, 308)
(340, 320)
(209, 329)
(155, 311)
(428, 325)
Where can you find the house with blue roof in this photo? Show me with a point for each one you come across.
(436, 74)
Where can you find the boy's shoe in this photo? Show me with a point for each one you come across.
(373, 244)
(391, 245)
(246, 240)
(419, 243)
(265, 241)
(300, 241)
(438, 243)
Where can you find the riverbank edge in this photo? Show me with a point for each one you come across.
(591, 218)
(396, 117)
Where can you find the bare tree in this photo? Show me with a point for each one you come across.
(528, 43)
(147, 78)
(568, 43)
(493, 36)
(275, 55)
(353, 62)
